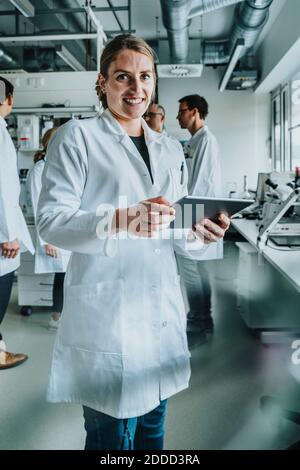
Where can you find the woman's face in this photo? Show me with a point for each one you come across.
(129, 85)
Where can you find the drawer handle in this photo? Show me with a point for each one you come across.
(45, 284)
(45, 300)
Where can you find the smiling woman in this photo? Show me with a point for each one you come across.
(127, 81)
(121, 348)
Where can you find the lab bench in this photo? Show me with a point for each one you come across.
(268, 285)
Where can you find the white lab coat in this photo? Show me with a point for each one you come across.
(204, 164)
(43, 263)
(12, 222)
(121, 346)
(204, 169)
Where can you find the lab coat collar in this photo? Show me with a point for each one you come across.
(153, 141)
(199, 132)
(116, 128)
(3, 123)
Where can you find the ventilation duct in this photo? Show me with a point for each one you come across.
(176, 16)
(250, 18)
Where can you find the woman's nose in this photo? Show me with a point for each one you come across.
(135, 85)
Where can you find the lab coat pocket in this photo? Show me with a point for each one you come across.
(176, 178)
(92, 317)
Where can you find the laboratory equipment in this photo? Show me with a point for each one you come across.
(272, 215)
(28, 132)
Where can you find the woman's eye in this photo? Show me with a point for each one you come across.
(146, 76)
(123, 76)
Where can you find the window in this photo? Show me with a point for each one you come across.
(280, 129)
(286, 126)
(295, 121)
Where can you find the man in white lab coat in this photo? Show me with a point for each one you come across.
(14, 235)
(155, 117)
(203, 162)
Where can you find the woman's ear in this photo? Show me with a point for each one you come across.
(101, 83)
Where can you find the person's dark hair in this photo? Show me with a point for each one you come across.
(111, 51)
(196, 101)
(9, 88)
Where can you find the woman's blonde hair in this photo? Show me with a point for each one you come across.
(112, 50)
(40, 155)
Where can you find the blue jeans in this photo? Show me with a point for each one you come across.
(6, 282)
(145, 432)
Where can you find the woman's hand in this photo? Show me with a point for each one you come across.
(209, 231)
(145, 219)
(10, 249)
(51, 250)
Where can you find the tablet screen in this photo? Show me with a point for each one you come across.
(191, 209)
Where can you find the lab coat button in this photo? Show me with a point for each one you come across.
(157, 251)
(164, 324)
(154, 288)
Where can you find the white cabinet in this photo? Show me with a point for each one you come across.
(265, 299)
(33, 289)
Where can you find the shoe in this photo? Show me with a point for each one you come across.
(53, 324)
(8, 360)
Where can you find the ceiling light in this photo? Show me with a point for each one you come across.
(66, 55)
(236, 54)
(179, 70)
(24, 6)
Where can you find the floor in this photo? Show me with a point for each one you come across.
(220, 410)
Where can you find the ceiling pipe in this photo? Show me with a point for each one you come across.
(200, 8)
(176, 16)
(250, 18)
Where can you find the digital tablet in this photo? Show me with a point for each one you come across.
(191, 209)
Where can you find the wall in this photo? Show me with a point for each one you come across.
(69, 88)
(239, 120)
(278, 55)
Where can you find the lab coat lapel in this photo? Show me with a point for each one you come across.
(153, 142)
(122, 136)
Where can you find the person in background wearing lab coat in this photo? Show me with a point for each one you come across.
(48, 258)
(14, 236)
(155, 117)
(121, 349)
(204, 169)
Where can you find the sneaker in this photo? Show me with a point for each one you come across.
(53, 324)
